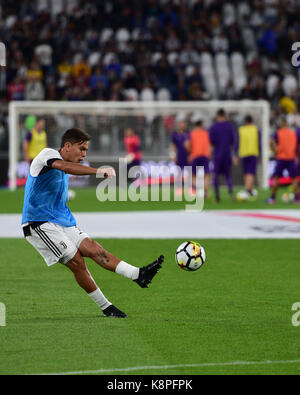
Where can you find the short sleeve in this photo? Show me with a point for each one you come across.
(43, 161)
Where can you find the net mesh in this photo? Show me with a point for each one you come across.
(106, 122)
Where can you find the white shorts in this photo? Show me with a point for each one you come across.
(56, 243)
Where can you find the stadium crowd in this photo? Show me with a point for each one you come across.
(151, 50)
(181, 50)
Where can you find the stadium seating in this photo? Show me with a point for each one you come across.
(228, 42)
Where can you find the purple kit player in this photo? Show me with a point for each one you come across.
(178, 150)
(298, 152)
(222, 139)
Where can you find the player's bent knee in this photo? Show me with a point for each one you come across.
(93, 249)
(77, 263)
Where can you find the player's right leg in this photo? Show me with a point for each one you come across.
(86, 281)
(217, 165)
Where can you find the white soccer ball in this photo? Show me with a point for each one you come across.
(242, 196)
(190, 255)
(72, 194)
(288, 197)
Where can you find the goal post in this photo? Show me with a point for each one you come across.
(106, 121)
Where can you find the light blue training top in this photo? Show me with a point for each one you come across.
(46, 192)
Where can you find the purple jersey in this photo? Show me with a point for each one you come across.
(298, 135)
(178, 139)
(222, 138)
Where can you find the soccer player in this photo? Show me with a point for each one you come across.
(133, 147)
(298, 153)
(248, 149)
(222, 139)
(178, 151)
(50, 227)
(35, 140)
(199, 148)
(284, 144)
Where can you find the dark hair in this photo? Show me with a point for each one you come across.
(74, 136)
(282, 120)
(221, 113)
(248, 119)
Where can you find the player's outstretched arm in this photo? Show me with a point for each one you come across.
(81, 170)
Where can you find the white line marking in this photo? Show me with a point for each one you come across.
(214, 224)
(161, 367)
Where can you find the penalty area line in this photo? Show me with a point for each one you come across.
(163, 367)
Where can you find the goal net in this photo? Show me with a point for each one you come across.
(154, 122)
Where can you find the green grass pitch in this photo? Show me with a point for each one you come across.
(231, 316)
(237, 307)
(86, 200)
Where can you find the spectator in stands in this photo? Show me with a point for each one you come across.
(34, 88)
(284, 144)
(64, 70)
(34, 72)
(268, 41)
(81, 79)
(98, 79)
(16, 89)
(288, 104)
(187, 29)
(82, 68)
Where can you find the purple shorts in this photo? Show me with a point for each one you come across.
(289, 165)
(135, 162)
(249, 164)
(222, 166)
(182, 164)
(200, 161)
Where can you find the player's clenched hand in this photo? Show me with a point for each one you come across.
(107, 172)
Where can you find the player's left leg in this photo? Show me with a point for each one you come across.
(227, 164)
(249, 182)
(216, 173)
(142, 276)
(292, 169)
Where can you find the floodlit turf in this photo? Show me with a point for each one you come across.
(233, 316)
(237, 307)
(86, 200)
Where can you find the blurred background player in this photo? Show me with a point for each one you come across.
(298, 153)
(177, 149)
(222, 139)
(133, 148)
(35, 140)
(198, 147)
(248, 143)
(284, 144)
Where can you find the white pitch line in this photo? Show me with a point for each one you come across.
(162, 367)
